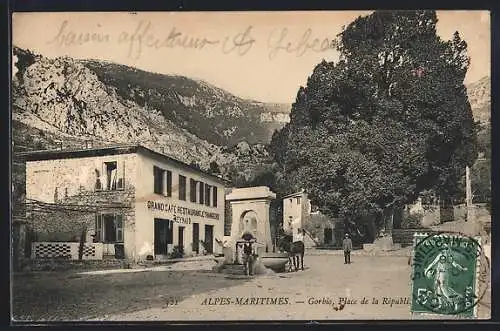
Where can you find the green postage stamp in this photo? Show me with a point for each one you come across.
(445, 275)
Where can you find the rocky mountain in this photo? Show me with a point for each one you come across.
(64, 97)
(479, 94)
(206, 111)
(72, 101)
(110, 103)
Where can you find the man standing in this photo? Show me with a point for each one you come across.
(347, 246)
(248, 258)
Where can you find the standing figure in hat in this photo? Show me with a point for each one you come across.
(347, 246)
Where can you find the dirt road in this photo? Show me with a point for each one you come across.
(312, 294)
(372, 287)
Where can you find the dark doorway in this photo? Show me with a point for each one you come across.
(398, 218)
(209, 238)
(196, 237)
(109, 228)
(328, 236)
(181, 237)
(163, 236)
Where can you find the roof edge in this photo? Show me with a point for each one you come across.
(54, 154)
(294, 194)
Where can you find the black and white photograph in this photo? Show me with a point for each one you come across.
(235, 166)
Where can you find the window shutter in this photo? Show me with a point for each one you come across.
(202, 193)
(208, 188)
(169, 183)
(104, 176)
(182, 187)
(159, 180)
(114, 178)
(120, 173)
(163, 181)
(119, 227)
(192, 190)
(98, 227)
(214, 197)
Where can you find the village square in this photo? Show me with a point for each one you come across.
(358, 188)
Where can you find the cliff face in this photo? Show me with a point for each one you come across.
(479, 94)
(64, 97)
(208, 112)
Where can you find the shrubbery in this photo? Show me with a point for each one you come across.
(412, 221)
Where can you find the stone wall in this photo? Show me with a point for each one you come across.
(429, 214)
(480, 213)
(63, 197)
(67, 220)
(56, 180)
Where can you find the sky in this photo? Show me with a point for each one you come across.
(264, 56)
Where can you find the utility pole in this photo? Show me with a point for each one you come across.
(468, 195)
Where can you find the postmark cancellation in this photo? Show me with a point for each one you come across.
(450, 275)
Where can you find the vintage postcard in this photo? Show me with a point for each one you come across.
(230, 166)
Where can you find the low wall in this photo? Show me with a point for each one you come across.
(405, 236)
(66, 250)
(480, 213)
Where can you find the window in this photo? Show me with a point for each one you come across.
(169, 183)
(109, 228)
(162, 181)
(298, 201)
(201, 192)
(208, 189)
(214, 196)
(158, 175)
(182, 188)
(192, 190)
(110, 177)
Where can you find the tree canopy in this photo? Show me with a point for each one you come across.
(390, 119)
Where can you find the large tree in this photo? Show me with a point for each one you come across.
(390, 119)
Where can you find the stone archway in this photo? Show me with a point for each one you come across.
(250, 211)
(248, 223)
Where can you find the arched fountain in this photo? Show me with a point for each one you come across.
(250, 214)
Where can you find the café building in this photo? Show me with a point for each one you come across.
(126, 198)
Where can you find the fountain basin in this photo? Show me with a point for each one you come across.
(274, 261)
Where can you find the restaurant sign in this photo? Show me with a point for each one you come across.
(181, 214)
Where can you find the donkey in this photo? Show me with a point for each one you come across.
(295, 251)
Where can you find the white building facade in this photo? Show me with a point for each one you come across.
(146, 204)
(296, 212)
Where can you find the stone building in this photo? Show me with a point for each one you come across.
(125, 198)
(297, 214)
(296, 211)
